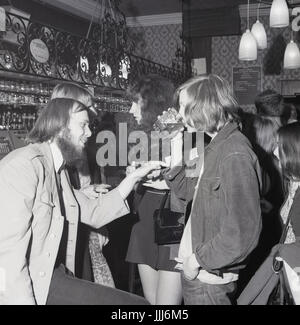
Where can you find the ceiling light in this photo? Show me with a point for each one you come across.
(291, 56)
(248, 44)
(279, 15)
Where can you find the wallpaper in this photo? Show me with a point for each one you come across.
(225, 56)
(156, 43)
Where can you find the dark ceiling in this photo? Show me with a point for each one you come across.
(132, 8)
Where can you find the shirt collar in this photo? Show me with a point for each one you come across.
(222, 135)
(57, 156)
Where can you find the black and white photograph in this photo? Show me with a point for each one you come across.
(150, 155)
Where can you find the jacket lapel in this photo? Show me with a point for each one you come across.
(51, 185)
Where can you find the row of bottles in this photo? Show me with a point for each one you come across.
(22, 99)
(16, 86)
(18, 119)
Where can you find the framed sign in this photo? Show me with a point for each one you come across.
(246, 83)
(39, 50)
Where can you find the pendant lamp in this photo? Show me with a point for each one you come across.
(248, 44)
(259, 32)
(279, 14)
(291, 56)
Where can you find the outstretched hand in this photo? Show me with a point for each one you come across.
(146, 168)
(93, 191)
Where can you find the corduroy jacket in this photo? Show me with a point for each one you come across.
(226, 215)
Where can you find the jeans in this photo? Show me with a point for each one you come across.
(65, 289)
(196, 292)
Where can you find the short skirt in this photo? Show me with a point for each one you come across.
(142, 248)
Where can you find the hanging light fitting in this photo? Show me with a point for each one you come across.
(279, 14)
(291, 55)
(248, 44)
(259, 32)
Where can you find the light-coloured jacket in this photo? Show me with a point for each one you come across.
(31, 223)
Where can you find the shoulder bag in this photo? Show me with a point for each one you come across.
(168, 225)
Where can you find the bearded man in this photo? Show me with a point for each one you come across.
(40, 212)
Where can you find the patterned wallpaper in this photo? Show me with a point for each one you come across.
(156, 43)
(225, 56)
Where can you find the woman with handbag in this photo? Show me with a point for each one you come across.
(225, 219)
(161, 283)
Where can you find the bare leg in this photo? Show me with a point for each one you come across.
(169, 289)
(149, 279)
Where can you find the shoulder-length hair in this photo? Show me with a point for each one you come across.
(54, 118)
(156, 93)
(210, 102)
(266, 128)
(289, 150)
(73, 91)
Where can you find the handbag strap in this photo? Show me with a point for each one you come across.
(286, 226)
(285, 230)
(277, 265)
(163, 202)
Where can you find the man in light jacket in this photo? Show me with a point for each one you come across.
(40, 212)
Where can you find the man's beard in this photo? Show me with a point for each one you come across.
(73, 155)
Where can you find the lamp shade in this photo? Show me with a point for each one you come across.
(279, 15)
(248, 47)
(291, 56)
(259, 33)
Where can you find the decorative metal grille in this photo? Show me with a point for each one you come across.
(71, 58)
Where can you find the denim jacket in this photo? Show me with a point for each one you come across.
(226, 215)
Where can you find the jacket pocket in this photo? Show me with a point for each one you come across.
(211, 186)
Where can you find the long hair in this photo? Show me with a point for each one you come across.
(266, 128)
(210, 102)
(289, 150)
(54, 118)
(157, 95)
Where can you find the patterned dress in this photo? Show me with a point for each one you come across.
(293, 186)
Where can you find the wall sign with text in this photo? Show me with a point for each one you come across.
(246, 83)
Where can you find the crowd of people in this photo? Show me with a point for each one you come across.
(239, 204)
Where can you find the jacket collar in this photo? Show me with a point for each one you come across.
(222, 135)
(57, 156)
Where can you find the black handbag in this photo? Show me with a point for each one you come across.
(168, 225)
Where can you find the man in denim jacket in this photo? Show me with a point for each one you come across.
(225, 221)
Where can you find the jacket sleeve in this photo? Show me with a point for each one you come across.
(99, 212)
(17, 193)
(180, 183)
(241, 223)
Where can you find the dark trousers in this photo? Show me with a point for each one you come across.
(65, 289)
(196, 292)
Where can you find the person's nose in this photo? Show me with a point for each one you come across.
(88, 131)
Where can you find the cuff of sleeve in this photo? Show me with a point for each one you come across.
(170, 173)
(199, 257)
(117, 199)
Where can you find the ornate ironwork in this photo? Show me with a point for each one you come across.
(71, 58)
